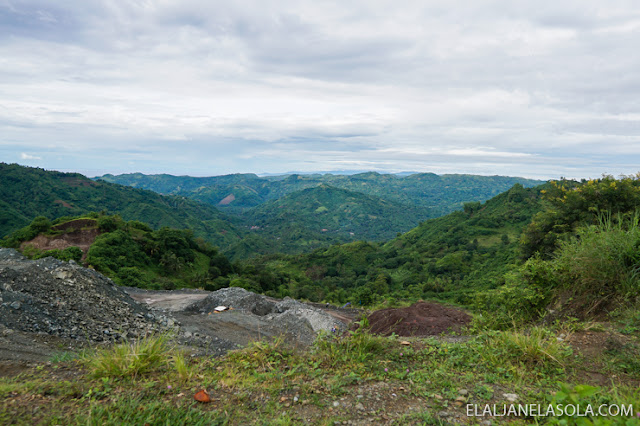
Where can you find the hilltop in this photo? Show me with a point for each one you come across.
(130, 253)
(548, 276)
(27, 192)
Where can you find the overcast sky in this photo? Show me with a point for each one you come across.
(524, 88)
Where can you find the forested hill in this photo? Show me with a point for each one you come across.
(325, 211)
(450, 257)
(27, 192)
(442, 193)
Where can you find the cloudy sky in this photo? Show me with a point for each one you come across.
(527, 88)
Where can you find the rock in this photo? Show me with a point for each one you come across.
(511, 397)
(66, 300)
(359, 406)
(297, 321)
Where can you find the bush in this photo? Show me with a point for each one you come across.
(589, 273)
(40, 224)
(130, 360)
(108, 223)
(132, 277)
(602, 264)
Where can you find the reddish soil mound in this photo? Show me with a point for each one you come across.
(79, 233)
(419, 319)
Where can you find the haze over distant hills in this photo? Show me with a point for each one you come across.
(262, 215)
(441, 193)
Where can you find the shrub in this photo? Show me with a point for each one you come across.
(130, 359)
(132, 277)
(108, 223)
(597, 269)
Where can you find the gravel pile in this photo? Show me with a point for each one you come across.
(236, 298)
(64, 299)
(289, 316)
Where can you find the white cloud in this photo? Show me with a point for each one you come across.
(207, 85)
(25, 156)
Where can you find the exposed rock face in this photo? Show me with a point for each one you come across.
(64, 299)
(287, 317)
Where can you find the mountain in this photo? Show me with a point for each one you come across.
(235, 191)
(449, 257)
(27, 192)
(238, 192)
(319, 215)
(130, 253)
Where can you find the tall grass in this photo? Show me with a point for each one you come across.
(534, 347)
(601, 265)
(354, 348)
(130, 359)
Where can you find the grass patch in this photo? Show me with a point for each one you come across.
(130, 359)
(269, 382)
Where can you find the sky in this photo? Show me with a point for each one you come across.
(539, 89)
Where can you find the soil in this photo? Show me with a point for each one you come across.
(79, 233)
(227, 200)
(419, 319)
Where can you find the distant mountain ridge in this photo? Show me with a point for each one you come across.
(326, 212)
(27, 192)
(287, 214)
(443, 193)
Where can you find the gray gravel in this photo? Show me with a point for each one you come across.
(66, 300)
(295, 321)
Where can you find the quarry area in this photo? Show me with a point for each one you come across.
(49, 306)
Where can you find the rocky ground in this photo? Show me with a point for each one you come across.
(49, 306)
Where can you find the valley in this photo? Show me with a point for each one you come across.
(529, 297)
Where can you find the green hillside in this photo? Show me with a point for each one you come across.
(339, 211)
(238, 192)
(27, 192)
(322, 214)
(130, 253)
(449, 258)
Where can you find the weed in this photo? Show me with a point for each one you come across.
(65, 356)
(535, 347)
(181, 366)
(137, 411)
(130, 359)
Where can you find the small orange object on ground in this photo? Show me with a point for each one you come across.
(202, 396)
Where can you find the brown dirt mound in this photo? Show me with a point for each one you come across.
(419, 319)
(80, 233)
